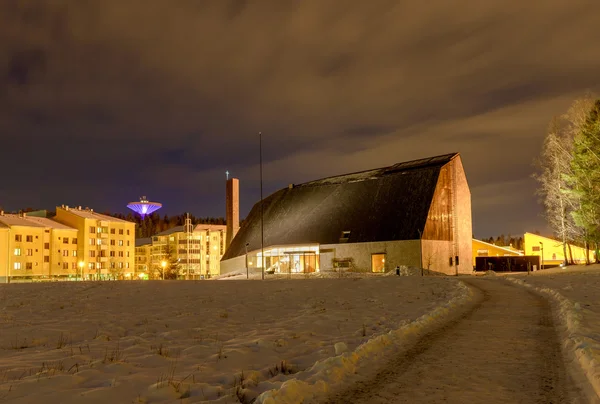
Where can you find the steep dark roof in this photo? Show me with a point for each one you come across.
(384, 204)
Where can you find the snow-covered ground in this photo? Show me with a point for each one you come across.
(175, 341)
(576, 292)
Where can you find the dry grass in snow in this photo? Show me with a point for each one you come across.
(150, 342)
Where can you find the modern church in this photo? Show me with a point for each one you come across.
(415, 214)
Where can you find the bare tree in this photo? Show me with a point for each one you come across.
(555, 173)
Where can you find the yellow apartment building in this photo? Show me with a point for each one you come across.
(4, 255)
(23, 249)
(551, 251)
(483, 249)
(143, 257)
(60, 248)
(106, 248)
(205, 245)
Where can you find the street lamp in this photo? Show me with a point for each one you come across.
(81, 264)
(247, 273)
(542, 245)
(163, 264)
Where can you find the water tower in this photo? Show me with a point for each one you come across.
(144, 207)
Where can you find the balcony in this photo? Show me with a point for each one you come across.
(103, 247)
(102, 259)
(103, 235)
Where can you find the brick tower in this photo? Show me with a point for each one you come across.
(232, 206)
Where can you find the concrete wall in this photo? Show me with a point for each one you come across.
(404, 252)
(237, 264)
(436, 256)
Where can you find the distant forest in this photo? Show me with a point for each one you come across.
(153, 223)
(505, 241)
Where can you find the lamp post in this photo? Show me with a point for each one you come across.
(542, 246)
(247, 273)
(81, 264)
(262, 224)
(163, 264)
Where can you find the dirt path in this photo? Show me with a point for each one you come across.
(504, 349)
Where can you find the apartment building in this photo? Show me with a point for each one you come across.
(36, 247)
(143, 257)
(196, 252)
(106, 245)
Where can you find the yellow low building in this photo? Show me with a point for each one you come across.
(551, 251)
(143, 258)
(483, 249)
(205, 244)
(25, 249)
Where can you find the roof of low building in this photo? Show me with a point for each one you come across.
(139, 242)
(389, 203)
(176, 229)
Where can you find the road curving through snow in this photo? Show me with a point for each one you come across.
(504, 348)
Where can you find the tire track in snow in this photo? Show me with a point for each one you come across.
(503, 348)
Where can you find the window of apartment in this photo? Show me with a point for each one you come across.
(92, 254)
(17, 251)
(29, 239)
(121, 243)
(112, 265)
(535, 248)
(128, 232)
(92, 241)
(74, 253)
(65, 265)
(112, 242)
(29, 265)
(65, 253)
(120, 253)
(74, 241)
(99, 241)
(46, 258)
(92, 229)
(127, 243)
(127, 265)
(92, 265)
(18, 237)
(46, 246)
(65, 240)
(46, 231)
(128, 254)
(120, 265)
(121, 231)
(17, 265)
(112, 253)
(29, 252)
(112, 231)
(73, 265)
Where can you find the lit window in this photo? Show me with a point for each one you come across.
(92, 241)
(92, 265)
(121, 243)
(17, 265)
(65, 253)
(99, 241)
(29, 252)
(74, 253)
(17, 251)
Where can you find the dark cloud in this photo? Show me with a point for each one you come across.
(103, 101)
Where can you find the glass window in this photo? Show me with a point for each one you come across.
(378, 262)
(17, 251)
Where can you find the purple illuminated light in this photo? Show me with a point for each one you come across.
(144, 207)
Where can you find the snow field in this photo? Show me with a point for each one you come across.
(576, 293)
(225, 342)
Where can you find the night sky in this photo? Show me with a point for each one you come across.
(103, 101)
